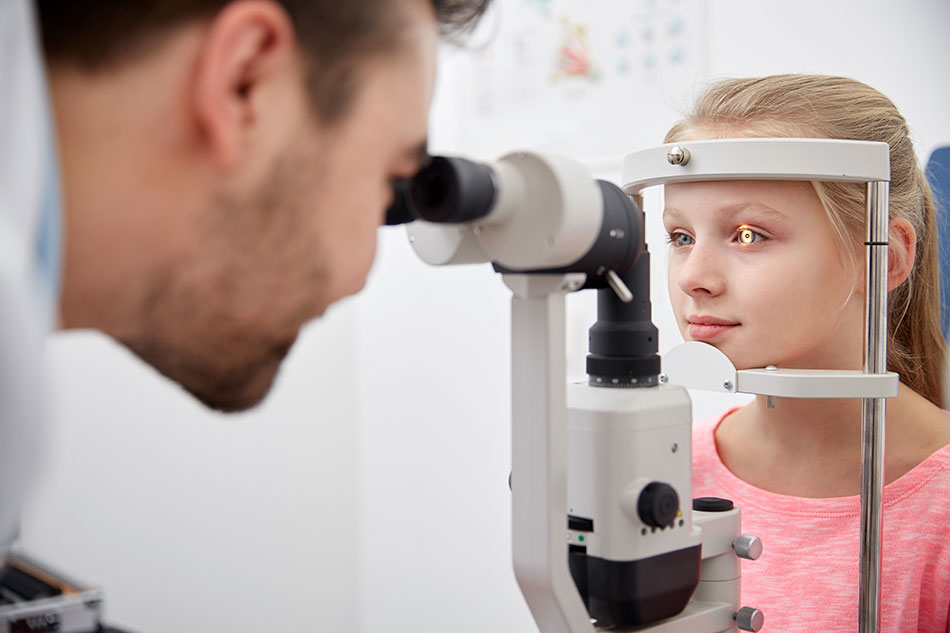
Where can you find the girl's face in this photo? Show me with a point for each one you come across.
(756, 271)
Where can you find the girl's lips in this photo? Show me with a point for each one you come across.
(704, 328)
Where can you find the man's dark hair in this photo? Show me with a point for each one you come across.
(335, 35)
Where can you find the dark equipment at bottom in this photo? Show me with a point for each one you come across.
(36, 599)
(630, 593)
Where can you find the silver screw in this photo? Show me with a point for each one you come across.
(675, 447)
(664, 378)
(616, 284)
(677, 155)
(727, 385)
(749, 619)
(747, 547)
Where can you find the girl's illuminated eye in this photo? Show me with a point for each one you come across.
(745, 235)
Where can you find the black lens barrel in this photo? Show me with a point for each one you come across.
(623, 342)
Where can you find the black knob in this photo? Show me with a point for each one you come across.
(712, 504)
(658, 505)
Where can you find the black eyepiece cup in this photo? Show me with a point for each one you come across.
(452, 191)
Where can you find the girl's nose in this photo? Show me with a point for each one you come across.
(699, 273)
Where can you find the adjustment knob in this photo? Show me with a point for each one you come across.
(658, 505)
(749, 619)
(748, 547)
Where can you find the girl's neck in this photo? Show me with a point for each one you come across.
(802, 425)
(812, 448)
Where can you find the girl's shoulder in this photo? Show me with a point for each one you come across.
(918, 438)
(923, 489)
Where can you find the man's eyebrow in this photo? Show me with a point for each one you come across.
(419, 153)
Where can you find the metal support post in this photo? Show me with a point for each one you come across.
(872, 427)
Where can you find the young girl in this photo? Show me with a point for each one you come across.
(772, 273)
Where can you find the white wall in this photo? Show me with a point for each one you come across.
(194, 521)
(899, 48)
(369, 493)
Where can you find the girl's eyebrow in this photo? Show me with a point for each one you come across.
(730, 211)
(670, 213)
(757, 208)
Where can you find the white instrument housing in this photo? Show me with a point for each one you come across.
(547, 214)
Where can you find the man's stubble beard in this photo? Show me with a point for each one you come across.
(193, 332)
(218, 384)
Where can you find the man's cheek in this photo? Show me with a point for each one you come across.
(354, 263)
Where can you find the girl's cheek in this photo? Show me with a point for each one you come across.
(672, 285)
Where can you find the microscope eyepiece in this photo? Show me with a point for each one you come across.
(452, 191)
(446, 190)
(400, 211)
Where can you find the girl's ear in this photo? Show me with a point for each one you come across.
(901, 252)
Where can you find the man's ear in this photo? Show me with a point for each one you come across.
(247, 45)
(901, 252)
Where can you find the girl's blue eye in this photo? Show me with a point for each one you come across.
(745, 235)
(679, 239)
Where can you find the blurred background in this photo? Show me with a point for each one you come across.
(369, 492)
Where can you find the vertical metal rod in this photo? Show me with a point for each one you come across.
(872, 427)
(539, 453)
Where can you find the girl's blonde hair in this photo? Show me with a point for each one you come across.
(821, 106)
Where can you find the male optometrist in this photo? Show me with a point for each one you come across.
(196, 179)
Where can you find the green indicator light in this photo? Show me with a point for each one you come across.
(580, 537)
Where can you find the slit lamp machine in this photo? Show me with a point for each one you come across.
(605, 533)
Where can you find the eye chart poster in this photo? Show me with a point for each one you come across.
(595, 79)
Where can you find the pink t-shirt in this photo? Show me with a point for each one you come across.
(807, 577)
